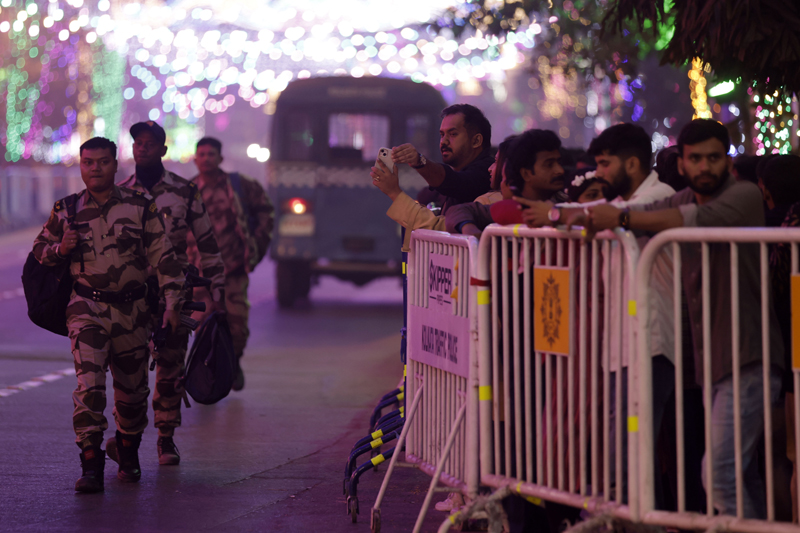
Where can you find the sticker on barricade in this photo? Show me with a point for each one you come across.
(439, 334)
(552, 309)
(441, 280)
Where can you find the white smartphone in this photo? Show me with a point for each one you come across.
(385, 155)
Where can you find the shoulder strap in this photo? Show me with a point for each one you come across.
(148, 206)
(236, 183)
(194, 196)
(70, 201)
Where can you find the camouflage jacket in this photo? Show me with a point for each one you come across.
(180, 205)
(119, 242)
(241, 251)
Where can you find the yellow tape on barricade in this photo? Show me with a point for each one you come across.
(516, 229)
(485, 393)
(484, 296)
(401, 396)
(378, 434)
(376, 443)
(533, 499)
(378, 459)
(632, 307)
(404, 268)
(633, 424)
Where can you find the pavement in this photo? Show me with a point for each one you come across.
(268, 458)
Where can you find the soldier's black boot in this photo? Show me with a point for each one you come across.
(93, 461)
(128, 455)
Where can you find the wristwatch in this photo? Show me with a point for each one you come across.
(554, 214)
(625, 218)
(422, 161)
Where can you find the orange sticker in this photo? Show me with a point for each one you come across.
(551, 310)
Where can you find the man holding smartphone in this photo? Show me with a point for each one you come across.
(465, 144)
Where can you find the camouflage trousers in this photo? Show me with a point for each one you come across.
(238, 309)
(170, 366)
(107, 336)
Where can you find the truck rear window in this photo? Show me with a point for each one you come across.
(356, 138)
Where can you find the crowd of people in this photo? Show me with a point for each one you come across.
(695, 184)
(117, 240)
(154, 224)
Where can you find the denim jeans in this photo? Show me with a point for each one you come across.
(663, 387)
(723, 445)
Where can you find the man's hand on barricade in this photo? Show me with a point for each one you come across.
(575, 217)
(471, 229)
(68, 242)
(387, 181)
(405, 153)
(534, 212)
(172, 317)
(602, 217)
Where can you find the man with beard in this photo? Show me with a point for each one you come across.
(465, 144)
(624, 158)
(715, 199)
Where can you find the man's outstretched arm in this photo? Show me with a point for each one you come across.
(606, 216)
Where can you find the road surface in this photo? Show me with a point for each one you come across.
(268, 458)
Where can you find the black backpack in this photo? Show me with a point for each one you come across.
(211, 366)
(48, 288)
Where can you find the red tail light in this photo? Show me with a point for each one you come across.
(297, 206)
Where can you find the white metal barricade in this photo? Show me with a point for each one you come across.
(542, 333)
(732, 243)
(442, 366)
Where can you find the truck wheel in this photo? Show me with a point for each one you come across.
(293, 281)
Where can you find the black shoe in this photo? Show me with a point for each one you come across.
(127, 448)
(93, 461)
(238, 381)
(111, 449)
(167, 451)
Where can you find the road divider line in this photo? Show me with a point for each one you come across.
(15, 293)
(36, 382)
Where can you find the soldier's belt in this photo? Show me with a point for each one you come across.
(111, 297)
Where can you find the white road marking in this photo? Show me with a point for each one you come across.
(36, 382)
(16, 293)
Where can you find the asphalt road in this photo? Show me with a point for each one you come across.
(268, 458)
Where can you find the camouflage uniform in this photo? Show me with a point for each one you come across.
(120, 242)
(240, 250)
(182, 209)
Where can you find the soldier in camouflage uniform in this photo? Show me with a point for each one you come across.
(115, 239)
(243, 227)
(183, 211)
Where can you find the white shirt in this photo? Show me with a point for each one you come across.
(661, 322)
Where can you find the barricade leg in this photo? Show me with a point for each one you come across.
(376, 509)
(370, 446)
(439, 467)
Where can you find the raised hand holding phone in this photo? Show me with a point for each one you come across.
(385, 155)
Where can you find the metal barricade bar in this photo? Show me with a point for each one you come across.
(441, 436)
(530, 439)
(734, 238)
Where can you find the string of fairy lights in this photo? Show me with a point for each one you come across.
(775, 120)
(180, 65)
(70, 69)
